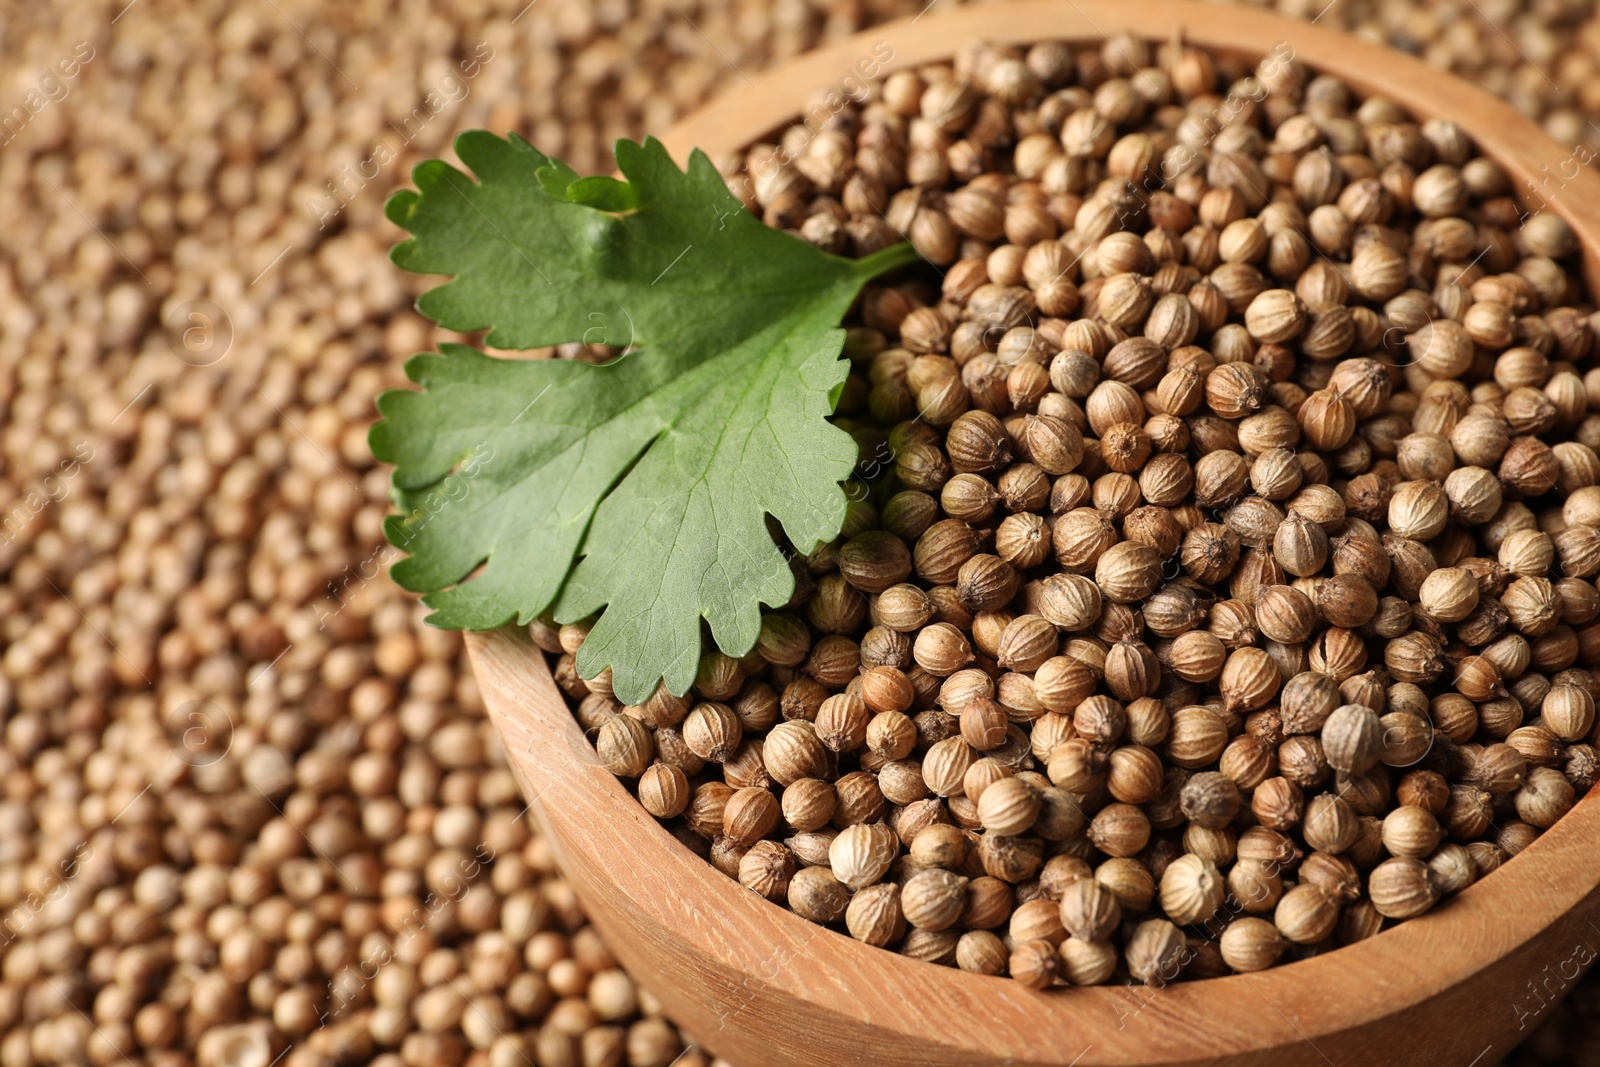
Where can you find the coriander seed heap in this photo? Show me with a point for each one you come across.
(1218, 585)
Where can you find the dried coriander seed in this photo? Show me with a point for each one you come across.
(815, 894)
(861, 855)
(1401, 888)
(873, 915)
(1192, 889)
(1251, 944)
(1156, 952)
(1306, 914)
(933, 899)
(664, 790)
(1352, 738)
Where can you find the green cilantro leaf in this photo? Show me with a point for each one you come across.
(640, 487)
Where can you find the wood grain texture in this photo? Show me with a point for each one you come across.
(760, 985)
(751, 981)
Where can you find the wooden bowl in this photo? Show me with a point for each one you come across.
(759, 985)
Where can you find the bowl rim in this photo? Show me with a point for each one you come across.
(766, 101)
(1278, 1010)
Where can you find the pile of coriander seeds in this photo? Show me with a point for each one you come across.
(1219, 582)
(171, 143)
(247, 792)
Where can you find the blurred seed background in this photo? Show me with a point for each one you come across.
(252, 810)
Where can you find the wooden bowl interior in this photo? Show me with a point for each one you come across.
(758, 984)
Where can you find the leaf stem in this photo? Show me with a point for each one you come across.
(886, 259)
